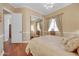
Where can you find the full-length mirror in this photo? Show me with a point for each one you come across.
(36, 28)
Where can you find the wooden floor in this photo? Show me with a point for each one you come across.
(15, 49)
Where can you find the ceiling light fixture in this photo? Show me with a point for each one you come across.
(48, 5)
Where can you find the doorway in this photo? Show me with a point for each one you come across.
(6, 30)
(35, 26)
(7, 27)
(12, 26)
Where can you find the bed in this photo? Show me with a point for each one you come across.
(48, 46)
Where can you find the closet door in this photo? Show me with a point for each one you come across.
(16, 28)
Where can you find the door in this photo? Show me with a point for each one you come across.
(16, 28)
(7, 18)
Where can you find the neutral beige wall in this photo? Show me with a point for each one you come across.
(70, 18)
(1, 32)
(1, 23)
(26, 20)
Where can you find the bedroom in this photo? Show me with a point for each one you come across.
(41, 35)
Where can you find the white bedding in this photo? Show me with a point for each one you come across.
(48, 46)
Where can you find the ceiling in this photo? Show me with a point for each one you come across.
(39, 7)
(34, 18)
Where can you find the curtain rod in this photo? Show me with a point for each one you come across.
(57, 15)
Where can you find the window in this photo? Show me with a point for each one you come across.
(32, 28)
(53, 25)
(38, 27)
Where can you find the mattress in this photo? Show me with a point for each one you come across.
(48, 46)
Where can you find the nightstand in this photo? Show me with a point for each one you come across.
(52, 32)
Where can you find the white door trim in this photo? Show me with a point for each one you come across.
(8, 10)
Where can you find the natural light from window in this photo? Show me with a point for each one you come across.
(32, 28)
(38, 27)
(53, 26)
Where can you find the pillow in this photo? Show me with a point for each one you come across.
(66, 39)
(73, 44)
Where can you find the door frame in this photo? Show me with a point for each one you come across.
(8, 10)
(11, 12)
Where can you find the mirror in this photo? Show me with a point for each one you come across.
(36, 28)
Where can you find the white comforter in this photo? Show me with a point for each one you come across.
(48, 46)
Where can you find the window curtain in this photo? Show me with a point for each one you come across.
(59, 24)
(41, 27)
(48, 24)
(35, 28)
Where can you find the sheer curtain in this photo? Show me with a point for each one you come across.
(33, 29)
(41, 27)
(38, 26)
(59, 24)
(53, 25)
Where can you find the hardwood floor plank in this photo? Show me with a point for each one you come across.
(15, 49)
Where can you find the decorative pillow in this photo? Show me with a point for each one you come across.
(66, 39)
(72, 44)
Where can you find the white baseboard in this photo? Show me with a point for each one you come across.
(6, 40)
(21, 42)
(25, 42)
